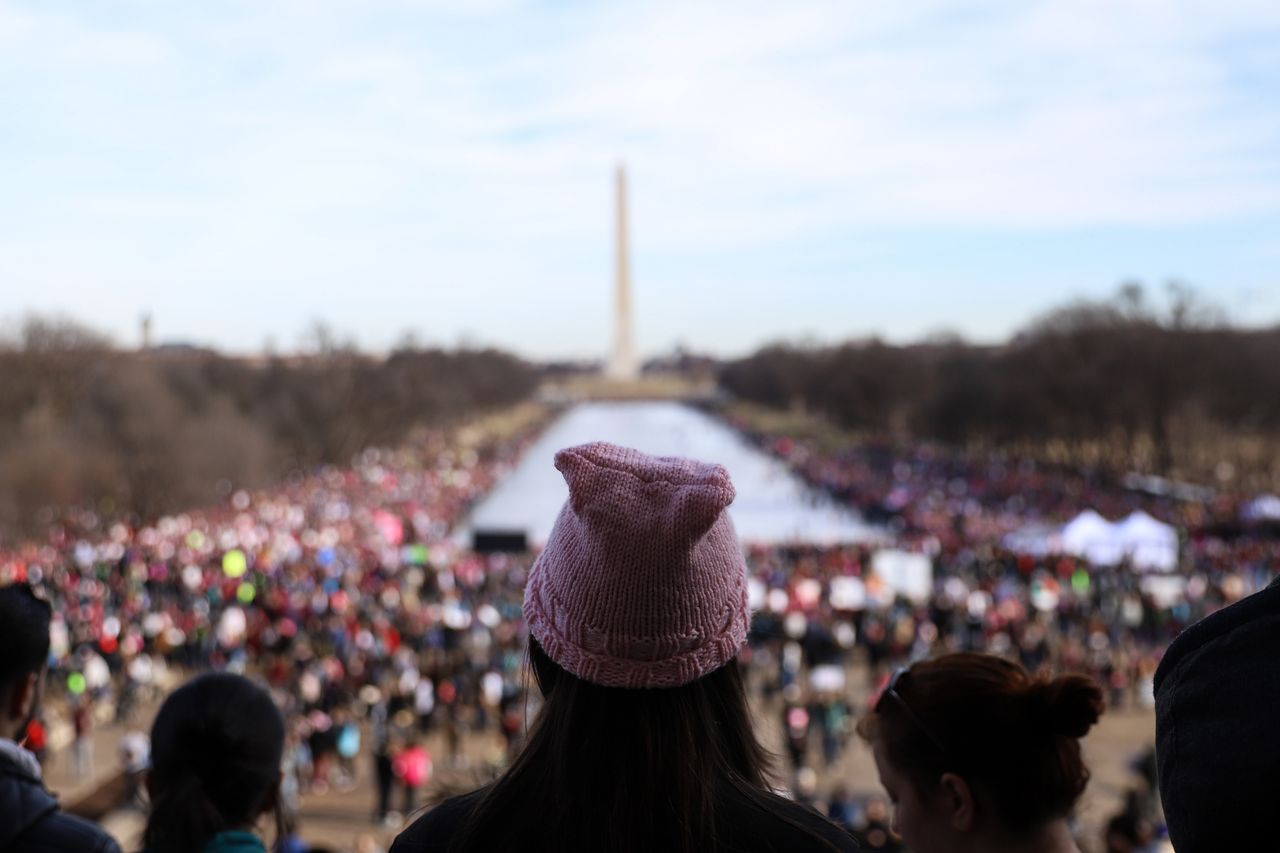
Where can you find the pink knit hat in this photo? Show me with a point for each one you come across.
(642, 582)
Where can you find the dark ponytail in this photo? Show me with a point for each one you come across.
(181, 817)
(216, 746)
(1013, 736)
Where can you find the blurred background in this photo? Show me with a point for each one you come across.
(977, 301)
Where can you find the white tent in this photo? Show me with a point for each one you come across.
(1147, 543)
(1262, 508)
(1092, 537)
(1150, 544)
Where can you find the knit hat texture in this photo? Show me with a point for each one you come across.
(642, 582)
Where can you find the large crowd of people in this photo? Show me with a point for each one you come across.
(342, 590)
(347, 593)
(1054, 609)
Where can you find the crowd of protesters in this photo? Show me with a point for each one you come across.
(346, 592)
(341, 589)
(1054, 613)
(1057, 610)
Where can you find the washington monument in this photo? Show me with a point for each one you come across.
(622, 364)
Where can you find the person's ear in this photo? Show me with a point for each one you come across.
(272, 799)
(957, 797)
(22, 698)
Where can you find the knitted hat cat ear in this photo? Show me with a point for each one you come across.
(642, 582)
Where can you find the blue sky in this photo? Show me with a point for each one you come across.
(798, 170)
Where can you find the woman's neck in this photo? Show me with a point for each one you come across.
(1055, 837)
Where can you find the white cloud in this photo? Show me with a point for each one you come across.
(300, 143)
(50, 41)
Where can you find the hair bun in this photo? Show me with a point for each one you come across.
(1068, 706)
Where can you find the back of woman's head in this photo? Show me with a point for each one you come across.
(1012, 736)
(623, 769)
(637, 609)
(640, 739)
(216, 746)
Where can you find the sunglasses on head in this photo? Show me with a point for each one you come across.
(890, 691)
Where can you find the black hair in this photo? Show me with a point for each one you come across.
(24, 633)
(216, 746)
(609, 768)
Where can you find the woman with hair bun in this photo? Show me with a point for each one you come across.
(977, 754)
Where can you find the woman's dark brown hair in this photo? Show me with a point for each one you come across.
(1012, 736)
(608, 768)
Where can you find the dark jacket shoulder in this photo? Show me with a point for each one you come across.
(1260, 609)
(1217, 744)
(33, 823)
(778, 824)
(770, 824)
(432, 832)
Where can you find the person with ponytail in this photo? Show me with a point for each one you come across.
(637, 609)
(216, 746)
(977, 754)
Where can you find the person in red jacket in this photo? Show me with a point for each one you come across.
(412, 766)
(37, 739)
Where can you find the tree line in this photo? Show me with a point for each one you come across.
(135, 434)
(1168, 387)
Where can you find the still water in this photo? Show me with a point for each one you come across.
(772, 504)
